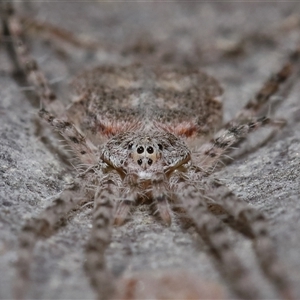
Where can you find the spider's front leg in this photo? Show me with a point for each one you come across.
(257, 225)
(160, 192)
(40, 227)
(82, 147)
(134, 188)
(129, 195)
(24, 64)
(269, 88)
(51, 107)
(210, 153)
(104, 202)
(212, 230)
(246, 121)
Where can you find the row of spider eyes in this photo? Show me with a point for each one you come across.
(141, 149)
(150, 161)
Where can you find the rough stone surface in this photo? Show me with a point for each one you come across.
(170, 33)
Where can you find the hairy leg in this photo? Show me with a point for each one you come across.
(6, 10)
(100, 236)
(24, 63)
(257, 225)
(83, 148)
(57, 34)
(212, 230)
(160, 196)
(210, 153)
(269, 89)
(128, 196)
(132, 191)
(237, 129)
(40, 227)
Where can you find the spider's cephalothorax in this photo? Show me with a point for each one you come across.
(146, 131)
(146, 153)
(145, 161)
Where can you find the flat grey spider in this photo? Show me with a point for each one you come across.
(143, 134)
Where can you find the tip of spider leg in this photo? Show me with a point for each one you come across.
(164, 210)
(166, 217)
(119, 221)
(122, 212)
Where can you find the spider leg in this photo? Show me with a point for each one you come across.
(6, 10)
(159, 194)
(38, 228)
(129, 195)
(100, 278)
(43, 134)
(231, 133)
(132, 192)
(209, 153)
(25, 64)
(82, 147)
(213, 232)
(245, 150)
(244, 119)
(257, 225)
(58, 33)
(123, 210)
(269, 88)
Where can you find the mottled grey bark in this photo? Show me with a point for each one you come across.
(267, 179)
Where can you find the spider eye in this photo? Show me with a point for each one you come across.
(139, 161)
(140, 150)
(150, 161)
(150, 150)
(160, 146)
(130, 146)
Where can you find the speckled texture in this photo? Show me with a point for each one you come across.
(267, 179)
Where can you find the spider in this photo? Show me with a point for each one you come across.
(143, 134)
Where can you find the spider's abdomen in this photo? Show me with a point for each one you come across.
(114, 100)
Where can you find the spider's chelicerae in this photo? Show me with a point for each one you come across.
(147, 134)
